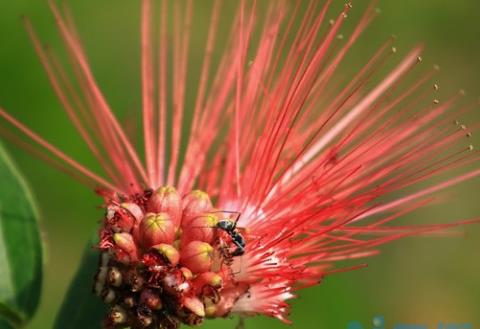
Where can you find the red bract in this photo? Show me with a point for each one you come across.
(293, 169)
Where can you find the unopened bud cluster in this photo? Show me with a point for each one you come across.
(164, 259)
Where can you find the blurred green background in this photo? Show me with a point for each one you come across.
(419, 280)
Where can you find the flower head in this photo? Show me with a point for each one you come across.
(286, 169)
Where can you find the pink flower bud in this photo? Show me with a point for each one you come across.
(187, 274)
(168, 252)
(118, 220)
(134, 210)
(125, 248)
(194, 305)
(166, 200)
(155, 229)
(201, 228)
(195, 204)
(208, 279)
(197, 256)
(123, 218)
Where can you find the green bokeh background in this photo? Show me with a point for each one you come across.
(419, 280)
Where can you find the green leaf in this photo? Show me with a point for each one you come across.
(81, 308)
(21, 255)
(4, 324)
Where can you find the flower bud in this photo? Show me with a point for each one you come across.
(134, 210)
(197, 256)
(201, 228)
(151, 299)
(177, 244)
(208, 279)
(187, 274)
(136, 233)
(155, 229)
(118, 220)
(195, 204)
(122, 218)
(210, 309)
(129, 301)
(114, 277)
(144, 320)
(194, 305)
(125, 248)
(108, 296)
(168, 252)
(167, 200)
(100, 279)
(117, 315)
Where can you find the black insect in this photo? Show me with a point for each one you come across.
(231, 228)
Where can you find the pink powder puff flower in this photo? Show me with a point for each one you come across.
(286, 169)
